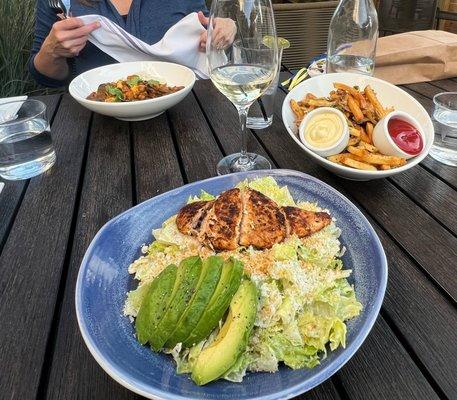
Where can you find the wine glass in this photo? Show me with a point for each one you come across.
(242, 56)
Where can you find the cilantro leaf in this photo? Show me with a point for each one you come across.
(114, 91)
(133, 80)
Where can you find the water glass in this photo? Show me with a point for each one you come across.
(444, 147)
(260, 115)
(26, 148)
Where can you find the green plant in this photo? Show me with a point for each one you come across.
(17, 20)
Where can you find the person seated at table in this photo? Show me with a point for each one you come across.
(59, 40)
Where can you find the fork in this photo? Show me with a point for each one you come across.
(58, 7)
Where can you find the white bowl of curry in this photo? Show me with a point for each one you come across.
(132, 91)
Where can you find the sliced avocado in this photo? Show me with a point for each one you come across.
(207, 283)
(189, 271)
(230, 280)
(232, 339)
(155, 303)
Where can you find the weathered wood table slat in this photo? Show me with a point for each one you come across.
(106, 166)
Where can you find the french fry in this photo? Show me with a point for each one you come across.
(358, 164)
(342, 86)
(371, 116)
(384, 167)
(339, 158)
(321, 103)
(371, 96)
(369, 130)
(379, 159)
(364, 136)
(355, 109)
(309, 96)
(297, 110)
(353, 141)
(368, 146)
(362, 101)
(353, 92)
(354, 132)
(356, 151)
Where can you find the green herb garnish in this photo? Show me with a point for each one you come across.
(114, 91)
(133, 80)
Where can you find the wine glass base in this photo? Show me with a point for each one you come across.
(236, 163)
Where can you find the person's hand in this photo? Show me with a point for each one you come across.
(67, 38)
(224, 31)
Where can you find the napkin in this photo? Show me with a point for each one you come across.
(419, 56)
(8, 112)
(180, 43)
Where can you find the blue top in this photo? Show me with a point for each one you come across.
(148, 20)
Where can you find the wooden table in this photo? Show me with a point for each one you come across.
(106, 166)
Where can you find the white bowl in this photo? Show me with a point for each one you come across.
(388, 95)
(172, 74)
(384, 142)
(336, 148)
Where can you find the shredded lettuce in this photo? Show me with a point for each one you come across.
(287, 250)
(204, 196)
(135, 299)
(161, 247)
(237, 372)
(270, 188)
(169, 235)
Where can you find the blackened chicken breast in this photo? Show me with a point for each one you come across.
(263, 223)
(246, 217)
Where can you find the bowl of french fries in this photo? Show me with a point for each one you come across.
(364, 100)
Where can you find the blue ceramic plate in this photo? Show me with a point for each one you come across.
(103, 281)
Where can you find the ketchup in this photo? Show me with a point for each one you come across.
(405, 136)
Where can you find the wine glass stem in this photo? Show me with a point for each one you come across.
(243, 114)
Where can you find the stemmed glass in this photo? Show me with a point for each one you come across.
(242, 57)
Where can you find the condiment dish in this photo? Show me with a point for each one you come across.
(383, 140)
(324, 131)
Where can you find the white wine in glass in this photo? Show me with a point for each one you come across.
(242, 65)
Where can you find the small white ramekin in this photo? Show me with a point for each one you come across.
(383, 141)
(336, 148)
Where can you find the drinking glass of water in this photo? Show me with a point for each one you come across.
(352, 37)
(444, 147)
(260, 114)
(25, 141)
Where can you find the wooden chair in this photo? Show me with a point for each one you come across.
(305, 25)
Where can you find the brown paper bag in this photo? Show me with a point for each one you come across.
(419, 56)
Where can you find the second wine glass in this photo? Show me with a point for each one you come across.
(243, 61)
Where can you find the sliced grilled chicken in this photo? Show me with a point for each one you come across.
(304, 223)
(246, 218)
(190, 217)
(220, 228)
(263, 223)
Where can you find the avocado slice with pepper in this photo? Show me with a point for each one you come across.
(155, 303)
(208, 281)
(188, 274)
(231, 341)
(229, 282)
